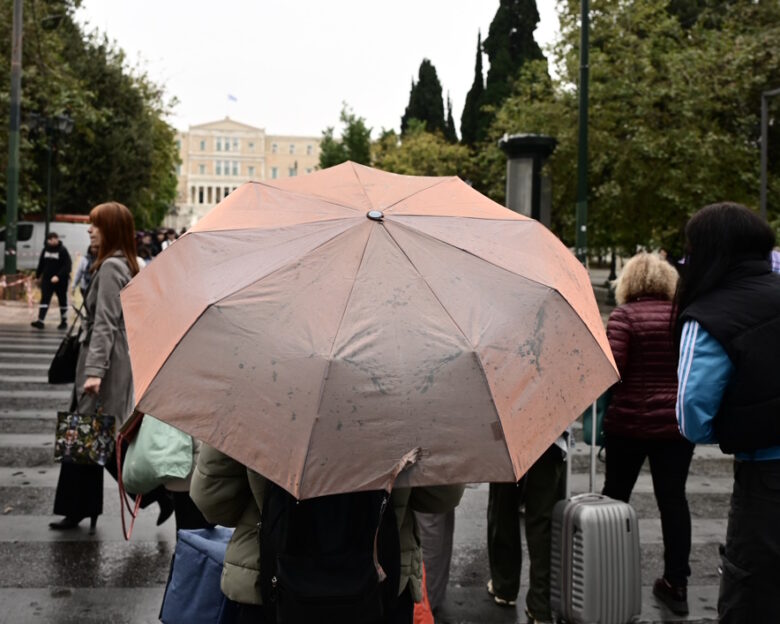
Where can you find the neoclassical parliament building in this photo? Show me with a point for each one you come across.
(218, 157)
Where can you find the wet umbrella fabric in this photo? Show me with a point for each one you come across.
(318, 343)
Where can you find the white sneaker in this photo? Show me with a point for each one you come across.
(499, 601)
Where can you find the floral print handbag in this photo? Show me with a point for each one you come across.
(85, 438)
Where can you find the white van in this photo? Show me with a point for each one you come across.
(30, 239)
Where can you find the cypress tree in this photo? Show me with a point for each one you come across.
(450, 133)
(469, 120)
(509, 44)
(425, 101)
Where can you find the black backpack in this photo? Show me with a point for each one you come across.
(317, 558)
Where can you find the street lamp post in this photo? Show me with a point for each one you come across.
(581, 241)
(765, 143)
(12, 187)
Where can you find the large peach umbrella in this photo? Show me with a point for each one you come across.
(320, 328)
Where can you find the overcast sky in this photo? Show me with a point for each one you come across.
(290, 64)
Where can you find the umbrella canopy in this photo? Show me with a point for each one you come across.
(318, 329)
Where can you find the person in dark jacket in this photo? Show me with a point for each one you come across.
(640, 420)
(53, 272)
(728, 329)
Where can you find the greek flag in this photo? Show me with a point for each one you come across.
(232, 98)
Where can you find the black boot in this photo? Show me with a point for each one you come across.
(674, 597)
(68, 522)
(166, 508)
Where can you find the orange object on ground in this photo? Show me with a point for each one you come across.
(422, 610)
(317, 329)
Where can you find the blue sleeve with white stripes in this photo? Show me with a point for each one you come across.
(703, 372)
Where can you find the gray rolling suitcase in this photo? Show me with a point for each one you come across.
(595, 571)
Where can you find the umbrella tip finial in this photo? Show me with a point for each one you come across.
(375, 215)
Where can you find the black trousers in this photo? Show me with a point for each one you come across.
(669, 464)
(540, 488)
(751, 558)
(47, 290)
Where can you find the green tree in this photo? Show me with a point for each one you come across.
(470, 118)
(354, 143)
(510, 43)
(425, 101)
(419, 152)
(121, 147)
(674, 118)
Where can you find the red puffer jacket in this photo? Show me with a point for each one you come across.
(643, 403)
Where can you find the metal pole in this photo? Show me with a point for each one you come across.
(765, 144)
(12, 191)
(48, 185)
(582, 147)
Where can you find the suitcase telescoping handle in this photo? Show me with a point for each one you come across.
(570, 459)
(593, 424)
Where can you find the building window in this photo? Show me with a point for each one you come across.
(274, 148)
(227, 144)
(202, 169)
(251, 171)
(308, 169)
(203, 146)
(292, 171)
(200, 195)
(235, 145)
(178, 144)
(219, 144)
(274, 173)
(226, 192)
(251, 146)
(236, 168)
(218, 167)
(309, 149)
(292, 148)
(178, 169)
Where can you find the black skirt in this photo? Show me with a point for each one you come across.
(79, 491)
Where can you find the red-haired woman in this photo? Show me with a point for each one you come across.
(103, 373)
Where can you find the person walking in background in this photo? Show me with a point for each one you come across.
(53, 272)
(540, 488)
(728, 331)
(84, 271)
(640, 420)
(103, 374)
(436, 533)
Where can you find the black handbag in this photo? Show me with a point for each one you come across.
(62, 369)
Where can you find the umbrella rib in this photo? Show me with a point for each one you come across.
(362, 188)
(327, 200)
(330, 355)
(422, 190)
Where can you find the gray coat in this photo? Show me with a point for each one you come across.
(104, 352)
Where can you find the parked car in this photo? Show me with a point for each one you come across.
(30, 238)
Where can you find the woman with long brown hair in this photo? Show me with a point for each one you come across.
(103, 374)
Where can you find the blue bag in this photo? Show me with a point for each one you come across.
(192, 595)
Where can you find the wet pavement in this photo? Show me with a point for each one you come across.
(64, 577)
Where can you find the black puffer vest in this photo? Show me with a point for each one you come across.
(743, 315)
